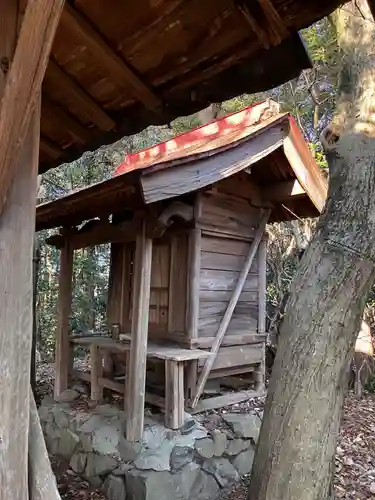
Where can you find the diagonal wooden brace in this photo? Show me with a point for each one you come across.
(230, 309)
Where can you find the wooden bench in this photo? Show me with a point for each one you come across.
(174, 358)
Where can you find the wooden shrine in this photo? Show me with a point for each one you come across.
(186, 220)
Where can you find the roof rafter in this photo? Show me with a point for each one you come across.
(87, 104)
(109, 60)
(275, 23)
(56, 114)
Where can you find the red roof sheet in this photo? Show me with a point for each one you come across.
(209, 138)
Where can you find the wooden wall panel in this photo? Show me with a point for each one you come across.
(228, 215)
(222, 259)
(160, 273)
(178, 283)
(236, 356)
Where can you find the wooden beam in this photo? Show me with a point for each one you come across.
(108, 59)
(225, 400)
(231, 306)
(23, 83)
(96, 373)
(89, 107)
(136, 367)
(261, 34)
(57, 115)
(50, 149)
(276, 25)
(102, 232)
(174, 394)
(62, 347)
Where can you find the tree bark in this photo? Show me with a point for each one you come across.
(295, 455)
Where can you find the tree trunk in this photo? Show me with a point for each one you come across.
(295, 455)
(42, 482)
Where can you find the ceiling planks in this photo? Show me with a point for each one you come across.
(121, 73)
(84, 101)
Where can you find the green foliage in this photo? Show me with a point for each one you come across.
(370, 386)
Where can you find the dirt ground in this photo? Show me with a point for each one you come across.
(355, 457)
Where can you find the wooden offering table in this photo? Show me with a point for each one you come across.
(175, 360)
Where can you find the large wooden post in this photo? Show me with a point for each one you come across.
(62, 347)
(136, 366)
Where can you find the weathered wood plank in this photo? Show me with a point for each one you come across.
(235, 356)
(136, 367)
(225, 262)
(112, 63)
(225, 280)
(228, 211)
(175, 181)
(96, 373)
(178, 284)
(174, 394)
(225, 295)
(222, 245)
(207, 309)
(231, 306)
(23, 83)
(231, 340)
(226, 400)
(194, 255)
(62, 348)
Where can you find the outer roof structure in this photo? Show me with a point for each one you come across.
(117, 67)
(258, 142)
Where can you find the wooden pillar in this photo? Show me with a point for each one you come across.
(174, 394)
(96, 373)
(192, 309)
(259, 374)
(62, 348)
(262, 291)
(136, 367)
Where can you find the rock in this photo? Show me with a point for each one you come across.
(128, 450)
(45, 414)
(61, 418)
(372, 488)
(114, 488)
(180, 457)
(187, 426)
(81, 388)
(236, 446)
(86, 442)
(67, 396)
(153, 436)
(149, 485)
(78, 463)
(220, 442)
(106, 439)
(48, 401)
(142, 485)
(67, 444)
(222, 470)
(157, 460)
(205, 487)
(122, 469)
(205, 447)
(243, 425)
(188, 440)
(244, 461)
(98, 465)
(184, 481)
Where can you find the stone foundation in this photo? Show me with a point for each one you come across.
(167, 465)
